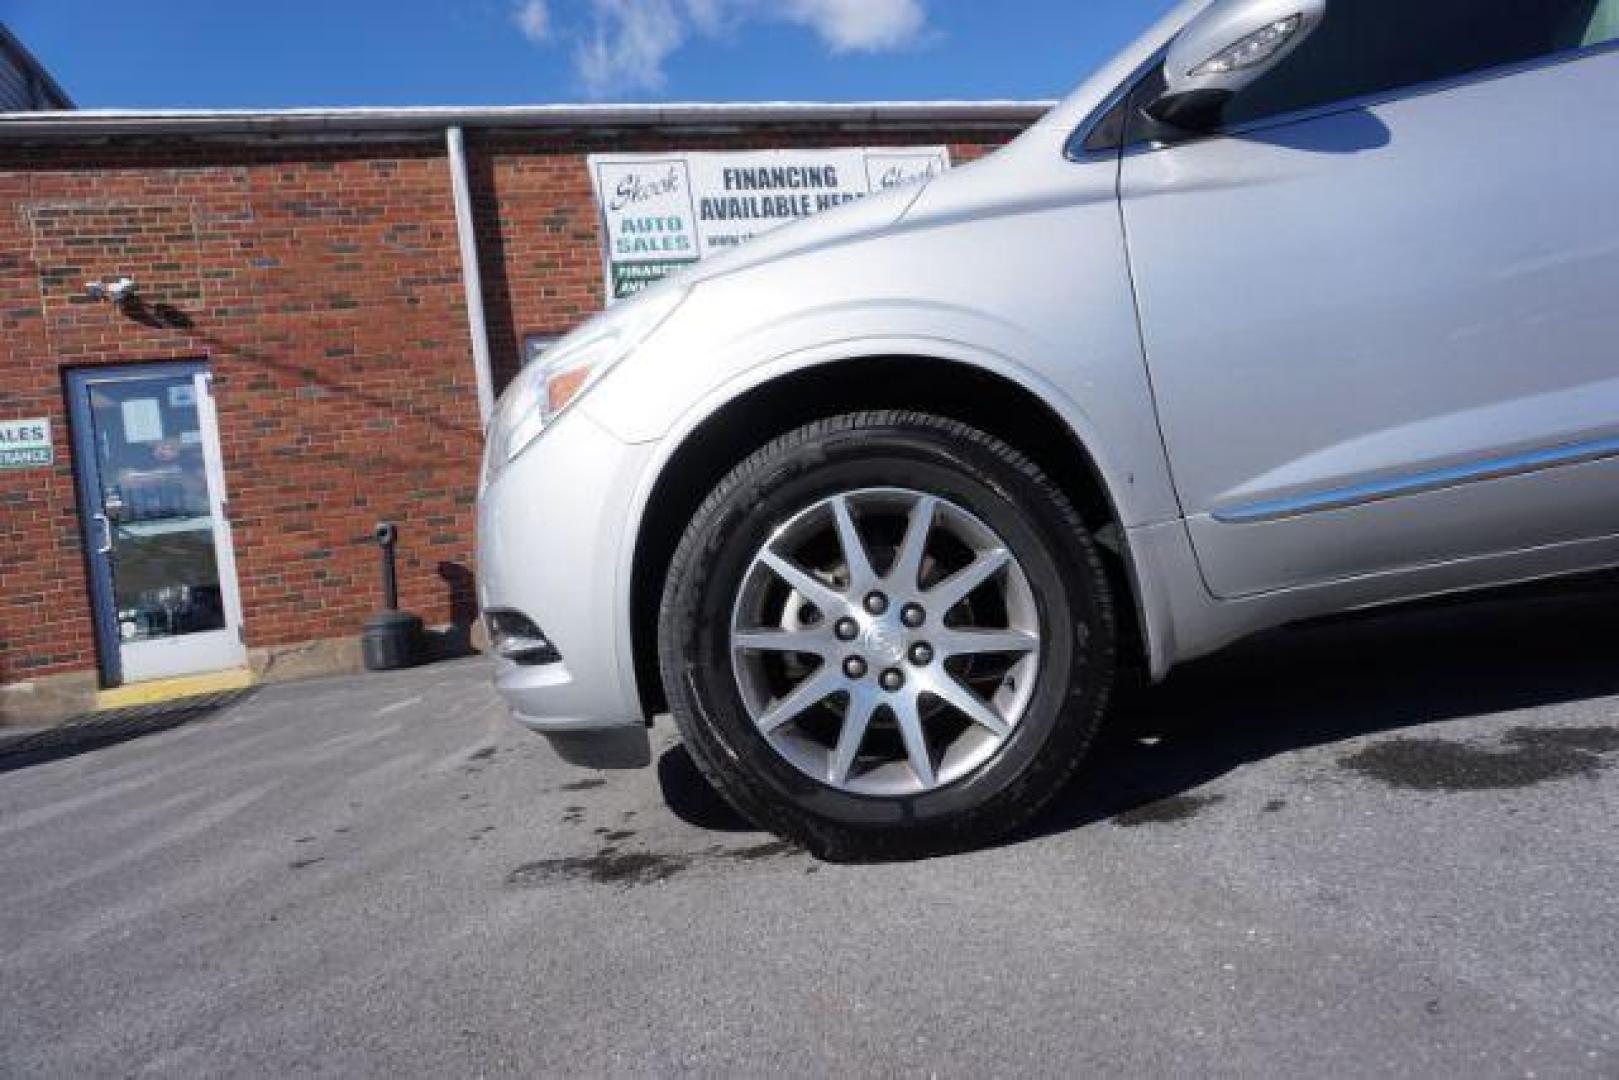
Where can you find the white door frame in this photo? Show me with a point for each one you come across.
(135, 661)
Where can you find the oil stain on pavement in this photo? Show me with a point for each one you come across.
(629, 869)
(774, 849)
(1528, 756)
(1167, 811)
(609, 866)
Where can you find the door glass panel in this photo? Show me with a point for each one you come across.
(1372, 46)
(159, 517)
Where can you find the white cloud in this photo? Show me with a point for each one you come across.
(626, 48)
(861, 25)
(622, 46)
(712, 17)
(533, 18)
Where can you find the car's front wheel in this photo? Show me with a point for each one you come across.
(887, 634)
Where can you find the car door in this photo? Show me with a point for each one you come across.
(1381, 306)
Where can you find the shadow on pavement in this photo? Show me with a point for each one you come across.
(93, 731)
(692, 799)
(1303, 687)
(1328, 682)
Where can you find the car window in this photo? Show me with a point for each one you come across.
(1373, 46)
(1604, 25)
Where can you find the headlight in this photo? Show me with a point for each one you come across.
(544, 389)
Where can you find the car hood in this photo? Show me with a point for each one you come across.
(849, 222)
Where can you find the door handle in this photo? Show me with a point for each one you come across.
(106, 533)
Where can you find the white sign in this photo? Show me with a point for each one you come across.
(25, 444)
(143, 420)
(661, 212)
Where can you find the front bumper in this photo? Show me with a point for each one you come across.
(553, 541)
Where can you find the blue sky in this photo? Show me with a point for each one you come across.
(224, 53)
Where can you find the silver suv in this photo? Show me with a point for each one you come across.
(1296, 306)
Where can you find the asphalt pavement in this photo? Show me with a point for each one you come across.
(1385, 846)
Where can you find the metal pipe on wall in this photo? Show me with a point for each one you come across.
(471, 274)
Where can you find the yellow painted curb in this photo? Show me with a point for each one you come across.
(160, 690)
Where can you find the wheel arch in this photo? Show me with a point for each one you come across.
(987, 400)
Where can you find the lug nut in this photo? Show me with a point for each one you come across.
(921, 654)
(893, 680)
(854, 667)
(876, 603)
(913, 616)
(847, 629)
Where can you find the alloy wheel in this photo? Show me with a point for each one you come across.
(885, 641)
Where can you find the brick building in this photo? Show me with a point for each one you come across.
(241, 339)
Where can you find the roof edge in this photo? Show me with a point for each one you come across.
(86, 123)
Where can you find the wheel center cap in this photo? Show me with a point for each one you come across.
(885, 643)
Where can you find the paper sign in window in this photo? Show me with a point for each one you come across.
(143, 420)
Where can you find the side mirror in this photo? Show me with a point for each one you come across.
(1227, 48)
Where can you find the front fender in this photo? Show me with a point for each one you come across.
(1034, 291)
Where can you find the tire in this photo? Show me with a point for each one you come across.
(849, 777)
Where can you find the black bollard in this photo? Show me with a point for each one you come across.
(387, 538)
(392, 639)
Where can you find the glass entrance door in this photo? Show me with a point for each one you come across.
(153, 511)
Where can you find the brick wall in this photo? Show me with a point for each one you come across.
(323, 288)
(322, 285)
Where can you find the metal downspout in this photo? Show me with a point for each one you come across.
(471, 276)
